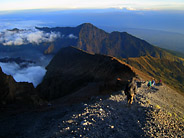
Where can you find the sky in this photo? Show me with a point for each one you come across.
(6, 5)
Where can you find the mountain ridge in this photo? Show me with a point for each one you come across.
(72, 69)
(118, 44)
(94, 40)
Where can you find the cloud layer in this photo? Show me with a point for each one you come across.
(33, 73)
(71, 36)
(20, 37)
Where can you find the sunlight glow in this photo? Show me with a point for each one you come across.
(6, 5)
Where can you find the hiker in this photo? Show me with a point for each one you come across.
(153, 82)
(130, 90)
(149, 84)
(160, 82)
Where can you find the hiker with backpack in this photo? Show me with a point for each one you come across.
(149, 84)
(153, 82)
(131, 90)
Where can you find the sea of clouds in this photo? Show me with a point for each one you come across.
(26, 34)
(34, 36)
(32, 73)
(20, 37)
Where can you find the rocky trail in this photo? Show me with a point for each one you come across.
(155, 112)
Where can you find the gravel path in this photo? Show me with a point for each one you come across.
(157, 112)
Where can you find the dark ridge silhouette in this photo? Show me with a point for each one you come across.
(12, 92)
(75, 71)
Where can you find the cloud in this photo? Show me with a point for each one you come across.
(33, 36)
(71, 36)
(18, 41)
(20, 37)
(33, 73)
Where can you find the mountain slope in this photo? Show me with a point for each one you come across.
(72, 70)
(157, 112)
(170, 71)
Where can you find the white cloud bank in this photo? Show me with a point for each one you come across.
(33, 74)
(71, 36)
(20, 37)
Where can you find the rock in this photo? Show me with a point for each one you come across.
(68, 128)
(70, 121)
(112, 127)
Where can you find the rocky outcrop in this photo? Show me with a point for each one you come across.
(82, 75)
(49, 50)
(12, 92)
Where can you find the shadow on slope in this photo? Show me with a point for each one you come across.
(108, 116)
(73, 71)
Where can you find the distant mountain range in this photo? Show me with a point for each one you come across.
(95, 40)
(162, 39)
(89, 38)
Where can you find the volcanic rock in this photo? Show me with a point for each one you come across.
(80, 74)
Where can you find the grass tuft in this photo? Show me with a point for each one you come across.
(157, 106)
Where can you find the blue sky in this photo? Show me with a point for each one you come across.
(98, 4)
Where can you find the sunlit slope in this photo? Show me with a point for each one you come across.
(169, 71)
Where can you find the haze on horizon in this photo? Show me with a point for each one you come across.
(8, 5)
